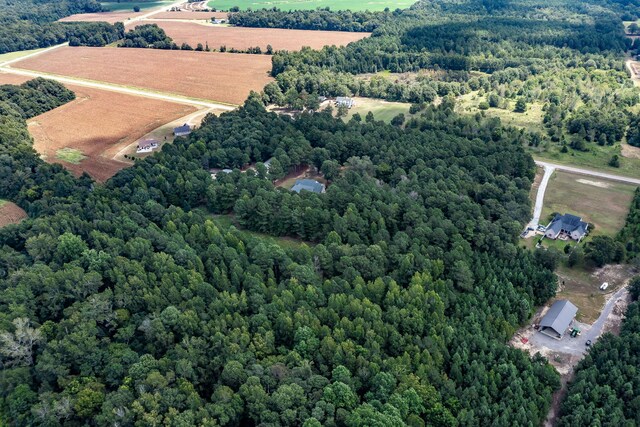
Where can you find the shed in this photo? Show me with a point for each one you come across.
(558, 319)
(308, 185)
(183, 130)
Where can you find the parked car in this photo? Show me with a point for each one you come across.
(604, 286)
(588, 343)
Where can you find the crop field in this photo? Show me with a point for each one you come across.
(10, 213)
(186, 15)
(12, 79)
(601, 202)
(110, 17)
(243, 38)
(221, 77)
(312, 4)
(85, 134)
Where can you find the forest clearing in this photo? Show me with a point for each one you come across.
(10, 213)
(225, 78)
(381, 110)
(123, 119)
(242, 38)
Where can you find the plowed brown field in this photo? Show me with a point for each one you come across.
(243, 38)
(221, 77)
(191, 15)
(10, 213)
(99, 124)
(12, 79)
(110, 17)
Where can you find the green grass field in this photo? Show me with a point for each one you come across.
(530, 119)
(382, 110)
(70, 155)
(601, 202)
(15, 55)
(312, 4)
(116, 6)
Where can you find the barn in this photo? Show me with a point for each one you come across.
(558, 319)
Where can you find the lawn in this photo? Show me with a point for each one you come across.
(70, 155)
(116, 6)
(382, 110)
(312, 4)
(531, 119)
(601, 202)
(596, 158)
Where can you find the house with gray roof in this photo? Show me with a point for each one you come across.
(558, 319)
(567, 225)
(183, 130)
(308, 185)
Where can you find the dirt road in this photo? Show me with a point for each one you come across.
(537, 210)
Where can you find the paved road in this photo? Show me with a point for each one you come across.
(121, 89)
(537, 210)
(589, 172)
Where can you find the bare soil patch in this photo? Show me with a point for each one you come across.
(99, 124)
(110, 17)
(599, 184)
(630, 152)
(241, 38)
(221, 77)
(206, 16)
(12, 79)
(10, 213)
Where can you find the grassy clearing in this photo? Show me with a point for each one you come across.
(597, 158)
(312, 4)
(227, 221)
(117, 6)
(382, 110)
(530, 119)
(601, 202)
(70, 155)
(15, 55)
(582, 287)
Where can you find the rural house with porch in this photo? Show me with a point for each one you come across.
(566, 226)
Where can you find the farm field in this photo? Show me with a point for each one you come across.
(186, 15)
(15, 55)
(243, 38)
(110, 17)
(10, 213)
(117, 6)
(12, 79)
(382, 110)
(72, 136)
(601, 202)
(311, 4)
(221, 77)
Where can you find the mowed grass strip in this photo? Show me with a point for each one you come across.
(220, 77)
(241, 38)
(70, 155)
(110, 17)
(312, 4)
(601, 202)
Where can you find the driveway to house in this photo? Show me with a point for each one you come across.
(589, 172)
(577, 346)
(537, 210)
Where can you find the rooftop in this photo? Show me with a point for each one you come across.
(308, 185)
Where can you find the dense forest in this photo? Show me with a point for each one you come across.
(128, 302)
(30, 24)
(566, 56)
(319, 19)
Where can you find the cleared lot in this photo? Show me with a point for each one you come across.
(243, 38)
(97, 125)
(221, 77)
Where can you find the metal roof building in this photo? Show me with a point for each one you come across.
(558, 319)
(183, 130)
(308, 185)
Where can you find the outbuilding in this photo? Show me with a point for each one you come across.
(558, 319)
(183, 130)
